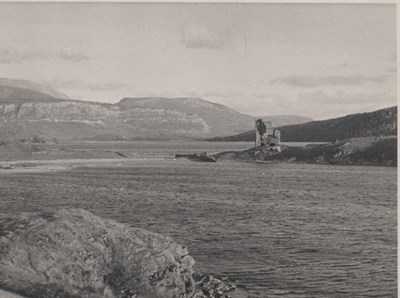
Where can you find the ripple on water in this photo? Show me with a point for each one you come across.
(281, 230)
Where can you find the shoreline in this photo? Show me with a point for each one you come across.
(33, 166)
(368, 151)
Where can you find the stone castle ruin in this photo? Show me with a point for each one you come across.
(267, 136)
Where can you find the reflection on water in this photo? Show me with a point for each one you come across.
(282, 230)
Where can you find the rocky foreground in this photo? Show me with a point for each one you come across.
(380, 151)
(73, 253)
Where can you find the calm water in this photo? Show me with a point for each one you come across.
(281, 230)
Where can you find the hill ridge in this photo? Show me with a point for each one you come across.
(31, 85)
(381, 122)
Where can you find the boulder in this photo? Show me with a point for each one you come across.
(73, 253)
(209, 286)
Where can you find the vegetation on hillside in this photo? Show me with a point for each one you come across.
(355, 151)
(378, 123)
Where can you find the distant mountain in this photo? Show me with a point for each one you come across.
(34, 112)
(10, 94)
(281, 120)
(378, 123)
(32, 86)
(215, 118)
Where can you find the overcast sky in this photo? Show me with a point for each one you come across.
(316, 60)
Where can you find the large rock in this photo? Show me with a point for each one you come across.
(73, 253)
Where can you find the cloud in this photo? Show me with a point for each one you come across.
(266, 96)
(80, 85)
(317, 81)
(323, 104)
(341, 98)
(319, 104)
(17, 55)
(195, 37)
(342, 66)
(73, 56)
(214, 93)
(20, 54)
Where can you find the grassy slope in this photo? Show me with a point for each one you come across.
(381, 122)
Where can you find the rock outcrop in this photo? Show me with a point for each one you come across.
(77, 254)
(77, 120)
(73, 253)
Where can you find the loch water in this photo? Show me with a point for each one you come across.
(280, 230)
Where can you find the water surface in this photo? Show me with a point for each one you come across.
(281, 230)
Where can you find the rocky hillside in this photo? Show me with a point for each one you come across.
(77, 120)
(215, 116)
(378, 123)
(35, 111)
(212, 113)
(73, 253)
(355, 151)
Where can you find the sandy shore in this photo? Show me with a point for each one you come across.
(39, 166)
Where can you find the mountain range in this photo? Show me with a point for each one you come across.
(34, 112)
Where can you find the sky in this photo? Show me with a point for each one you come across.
(315, 60)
